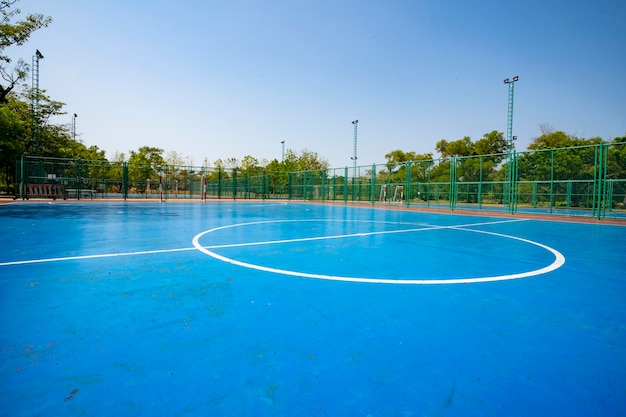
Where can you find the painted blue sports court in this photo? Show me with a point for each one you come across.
(290, 309)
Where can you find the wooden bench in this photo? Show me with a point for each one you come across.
(45, 191)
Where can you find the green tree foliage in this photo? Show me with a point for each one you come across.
(565, 162)
(16, 136)
(616, 167)
(16, 122)
(555, 140)
(11, 134)
(249, 165)
(177, 159)
(558, 156)
(311, 161)
(397, 164)
(145, 163)
(12, 34)
(492, 143)
(147, 155)
(461, 147)
(476, 161)
(617, 159)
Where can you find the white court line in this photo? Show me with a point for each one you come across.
(157, 251)
(363, 234)
(558, 262)
(103, 255)
(205, 249)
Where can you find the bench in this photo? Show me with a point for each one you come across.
(79, 193)
(45, 191)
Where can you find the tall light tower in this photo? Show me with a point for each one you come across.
(74, 126)
(354, 157)
(38, 55)
(509, 190)
(509, 123)
(283, 143)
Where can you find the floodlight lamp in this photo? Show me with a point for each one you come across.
(506, 81)
(514, 137)
(75, 115)
(39, 54)
(355, 122)
(516, 78)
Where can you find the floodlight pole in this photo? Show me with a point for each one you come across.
(38, 55)
(283, 143)
(74, 126)
(354, 156)
(510, 138)
(509, 123)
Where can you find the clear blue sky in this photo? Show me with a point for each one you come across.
(221, 79)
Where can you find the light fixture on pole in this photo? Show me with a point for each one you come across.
(354, 156)
(283, 143)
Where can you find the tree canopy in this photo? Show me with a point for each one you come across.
(12, 34)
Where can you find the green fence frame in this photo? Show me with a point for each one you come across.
(586, 181)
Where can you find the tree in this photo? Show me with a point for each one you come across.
(311, 161)
(15, 34)
(147, 155)
(145, 163)
(231, 163)
(16, 135)
(52, 138)
(11, 134)
(493, 144)
(568, 158)
(561, 159)
(396, 165)
(290, 162)
(397, 158)
(553, 140)
(218, 164)
(616, 168)
(476, 160)
(461, 147)
(249, 164)
(174, 158)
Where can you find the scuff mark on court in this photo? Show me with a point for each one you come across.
(447, 402)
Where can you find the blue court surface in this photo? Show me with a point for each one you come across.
(288, 309)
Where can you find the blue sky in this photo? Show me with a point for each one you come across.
(222, 79)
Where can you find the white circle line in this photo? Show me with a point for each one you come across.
(557, 263)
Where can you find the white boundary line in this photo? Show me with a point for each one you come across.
(558, 262)
(103, 255)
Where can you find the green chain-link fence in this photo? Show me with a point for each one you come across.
(586, 181)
